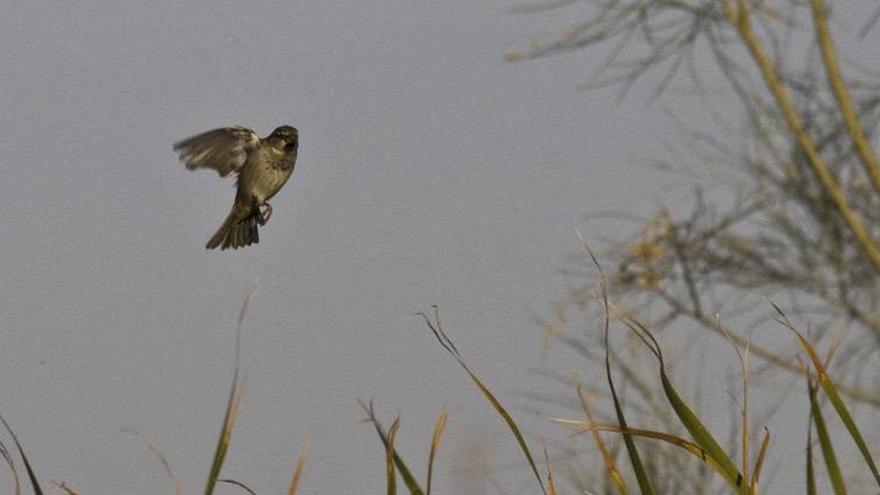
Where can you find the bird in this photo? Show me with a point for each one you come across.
(262, 167)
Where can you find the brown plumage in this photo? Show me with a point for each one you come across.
(263, 167)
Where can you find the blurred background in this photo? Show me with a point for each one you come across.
(430, 171)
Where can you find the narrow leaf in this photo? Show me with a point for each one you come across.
(16, 483)
(610, 465)
(687, 445)
(551, 488)
(408, 479)
(759, 463)
(298, 471)
(439, 427)
(69, 490)
(27, 465)
(238, 484)
(700, 433)
(389, 458)
(833, 396)
(232, 405)
(447, 344)
(152, 447)
(834, 473)
(635, 460)
(811, 477)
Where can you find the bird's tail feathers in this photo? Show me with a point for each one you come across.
(237, 231)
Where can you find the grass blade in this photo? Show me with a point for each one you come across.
(833, 396)
(232, 405)
(16, 483)
(811, 477)
(610, 465)
(238, 484)
(408, 479)
(69, 490)
(686, 445)
(446, 343)
(831, 463)
(225, 439)
(759, 462)
(298, 471)
(389, 457)
(152, 447)
(551, 488)
(699, 433)
(744, 434)
(634, 458)
(439, 427)
(27, 465)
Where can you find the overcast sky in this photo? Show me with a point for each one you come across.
(429, 172)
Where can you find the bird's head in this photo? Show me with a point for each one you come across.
(286, 137)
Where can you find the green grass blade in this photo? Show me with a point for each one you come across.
(831, 463)
(232, 405)
(635, 460)
(447, 344)
(684, 444)
(850, 424)
(607, 458)
(833, 396)
(408, 479)
(389, 458)
(511, 424)
(811, 477)
(225, 438)
(685, 414)
(700, 433)
(35, 485)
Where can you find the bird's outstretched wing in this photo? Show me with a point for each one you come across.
(225, 149)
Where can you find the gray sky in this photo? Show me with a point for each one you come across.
(430, 172)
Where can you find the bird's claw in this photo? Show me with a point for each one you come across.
(264, 215)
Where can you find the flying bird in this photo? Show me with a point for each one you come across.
(262, 167)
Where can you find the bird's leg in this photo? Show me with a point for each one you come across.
(265, 215)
